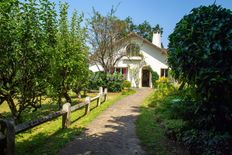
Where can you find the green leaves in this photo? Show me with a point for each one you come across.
(200, 54)
(70, 65)
(145, 29)
(37, 53)
(105, 32)
(200, 42)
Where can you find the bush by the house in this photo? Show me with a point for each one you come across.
(126, 84)
(164, 83)
(98, 79)
(114, 82)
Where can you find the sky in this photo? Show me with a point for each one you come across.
(166, 13)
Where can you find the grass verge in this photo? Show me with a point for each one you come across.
(49, 138)
(149, 131)
(154, 122)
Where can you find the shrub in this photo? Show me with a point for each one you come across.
(126, 84)
(207, 142)
(113, 82)
(183, 105)
(200, 55)
(98, 79)
(163, 84)
(155, 77)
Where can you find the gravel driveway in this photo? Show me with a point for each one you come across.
(112, 132)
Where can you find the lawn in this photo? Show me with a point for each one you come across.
(49, 138)
(154, 123)
(47, 106)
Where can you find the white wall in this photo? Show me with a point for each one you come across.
(96, 68)
(152, 57)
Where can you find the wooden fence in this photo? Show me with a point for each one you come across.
(8, 130)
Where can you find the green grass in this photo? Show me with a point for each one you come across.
(148, 130)
(49, 138)
(47, 106)
(153, 122)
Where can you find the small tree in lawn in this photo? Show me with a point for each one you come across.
(26, 40)
(70, 59)
(200, 52)
(78, 40)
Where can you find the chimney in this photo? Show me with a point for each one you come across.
(156, 39)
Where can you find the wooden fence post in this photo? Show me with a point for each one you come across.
(7, 137)
(87, 109)
(85, 92)
(100, 90)
(100, 96)
(105, 94)
(66, 118)
(99, 100)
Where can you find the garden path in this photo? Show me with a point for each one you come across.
(112, 132)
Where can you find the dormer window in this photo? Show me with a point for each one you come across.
(133, 49)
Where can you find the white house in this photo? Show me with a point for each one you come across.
(142, 55)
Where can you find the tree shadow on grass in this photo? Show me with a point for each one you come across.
(47, 142)
(43, 143)
(92, 107)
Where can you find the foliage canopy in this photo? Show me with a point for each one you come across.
(38, 53)
(200, 52)
(26, 39)
(105, 32)
(144, 29)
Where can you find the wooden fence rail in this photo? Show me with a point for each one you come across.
(8, 130)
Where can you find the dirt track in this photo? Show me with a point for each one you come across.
(113, 132)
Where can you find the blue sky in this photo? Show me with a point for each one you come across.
(166, 13)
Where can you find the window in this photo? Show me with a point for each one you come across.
(164, 72)
(123, 71)
(133, 49)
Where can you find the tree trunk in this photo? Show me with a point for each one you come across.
(78, 92)
(67, 97)
(12, 107)
(59, 101)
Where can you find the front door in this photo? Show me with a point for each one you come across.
(145, 78)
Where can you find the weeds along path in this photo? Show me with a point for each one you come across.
(112, 132)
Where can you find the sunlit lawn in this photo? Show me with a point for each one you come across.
(48, 105)
(49, 138)
(153, 122)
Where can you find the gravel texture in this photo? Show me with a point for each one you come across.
(112, 132)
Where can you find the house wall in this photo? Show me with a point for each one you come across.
(152, 57)
(96, 68)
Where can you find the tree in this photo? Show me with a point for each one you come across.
(78, 40)
(70, 68)
(105, 34)
(200, 54)
(24, 41)
(145, 29)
